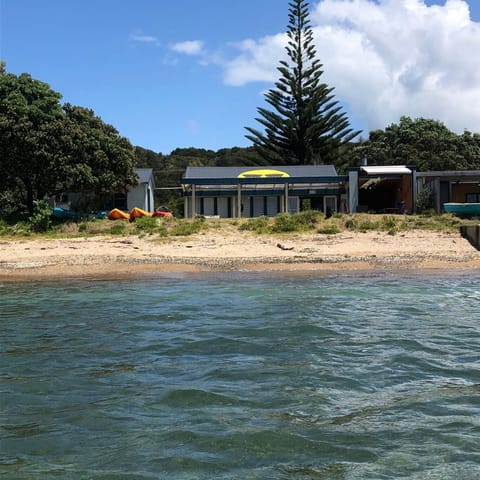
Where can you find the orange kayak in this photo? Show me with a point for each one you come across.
(117, 214)
(136, 212)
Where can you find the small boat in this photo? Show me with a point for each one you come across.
(160, 213)
(63, 214)
(136, 212)
(117, 214)
(463, 209)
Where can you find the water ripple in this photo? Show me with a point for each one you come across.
(233, 376)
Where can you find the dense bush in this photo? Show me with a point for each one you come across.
(41, 219)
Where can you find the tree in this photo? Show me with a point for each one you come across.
(46, 149)
(426, 143)
(28, 108)
(97, 160)
(307, 125)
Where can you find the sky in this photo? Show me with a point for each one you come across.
(192, 73)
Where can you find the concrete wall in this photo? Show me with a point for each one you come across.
(472, 234)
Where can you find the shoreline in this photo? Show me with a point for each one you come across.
(107, 257)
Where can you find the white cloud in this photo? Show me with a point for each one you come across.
(142, 38)
(258, 61)
(385, 58)
(190, 47)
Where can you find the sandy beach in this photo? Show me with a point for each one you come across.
(232, 250)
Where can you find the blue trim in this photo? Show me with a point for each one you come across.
(264, 181)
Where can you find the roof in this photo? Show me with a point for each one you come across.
(450, 173)
(260, 172)
(386, 170)
(145, 175)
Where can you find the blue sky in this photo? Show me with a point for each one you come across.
(191, 73)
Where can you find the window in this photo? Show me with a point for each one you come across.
(473, 198)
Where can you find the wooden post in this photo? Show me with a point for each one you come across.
(286, 197)
(194, 201)
(239, 201)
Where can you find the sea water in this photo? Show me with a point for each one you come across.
(242, 376)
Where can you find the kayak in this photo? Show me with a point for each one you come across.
(136, 212)
(117, 214)
(162, 214)
(63, 214)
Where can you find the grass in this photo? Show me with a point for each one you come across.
(307, 221)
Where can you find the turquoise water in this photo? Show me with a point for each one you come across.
(241, 376)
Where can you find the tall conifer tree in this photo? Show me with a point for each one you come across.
(307, 125)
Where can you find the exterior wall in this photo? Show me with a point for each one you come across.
(141, 197)
(460, 191)
(252, 206)
(406, 193)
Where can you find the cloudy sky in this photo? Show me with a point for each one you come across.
(191, 73)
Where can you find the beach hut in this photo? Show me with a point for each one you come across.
(382, 189)
(230, 192)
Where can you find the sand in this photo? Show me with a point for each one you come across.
(228, 249)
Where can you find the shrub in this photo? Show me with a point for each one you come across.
(118, 229)
(186, 227)
(366, 225)
(258, 225)
(41, 219)
(308, 217)
(351, 224)
(298, 222)
(285, 222)
(425, 200)
(329, 229)
(388, 222)
(146, 224)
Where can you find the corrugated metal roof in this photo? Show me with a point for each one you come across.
(261, 171)
(386, 170)
(144, 174)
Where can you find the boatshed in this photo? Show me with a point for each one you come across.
(382, 189)
(229, 192)
(457, 186)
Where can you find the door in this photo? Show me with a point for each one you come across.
(329, 204)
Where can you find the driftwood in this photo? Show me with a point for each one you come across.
(283, 247)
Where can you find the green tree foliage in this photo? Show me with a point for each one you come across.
(46, 148)
(28, 110)
(99, 160)
(426, 143)
(307, 125)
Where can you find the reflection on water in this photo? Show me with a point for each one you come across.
(241, 376)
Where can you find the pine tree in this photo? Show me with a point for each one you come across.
(307, 126)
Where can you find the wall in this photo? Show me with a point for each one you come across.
(460, 190)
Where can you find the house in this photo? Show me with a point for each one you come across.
(229, 192)
(457, 186)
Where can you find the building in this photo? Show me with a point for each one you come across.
(382, 189)
(458, 186)
(229, 192)
(140, 196)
